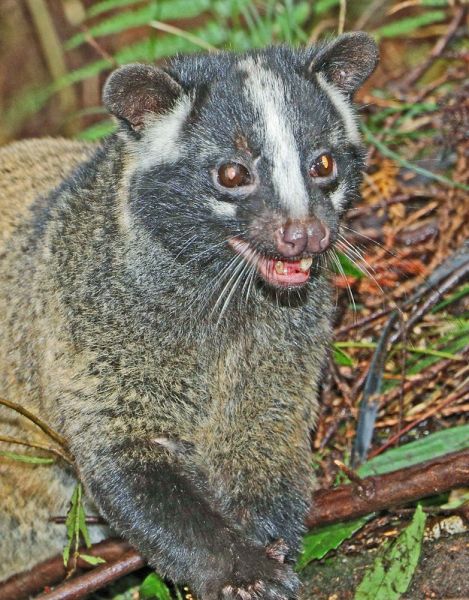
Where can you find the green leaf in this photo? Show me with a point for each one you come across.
(405, 26)
(456, 340)
(342, 358)
(90, 70)
(434, 445)
(457, 502)
(153, 587)
(434, 2)
(290, 22)
(391, 573)
(75, 524)
(348, 267)
(26, 103)
(92, 560)
(150, 50)
(178, 593)
(100, 7)
(26, 458)
(385, 151)
(320, 541)
(463, 291)
(97, 131)
(322, 6)
(163, 11)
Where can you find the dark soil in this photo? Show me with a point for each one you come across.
(442, 573)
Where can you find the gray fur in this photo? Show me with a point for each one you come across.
(185, 385)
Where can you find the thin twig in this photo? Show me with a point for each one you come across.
(407, 164)
(451, 398)
(403, 363)
(373, 9)
(36, 420)
(424, 376)
(52, 50)
(437, 50)
(450, 282)
(60, 453)
(364, 321)
(183, 34)
(329, 506)
(89, 39)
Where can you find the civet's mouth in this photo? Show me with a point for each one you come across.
(280, 273)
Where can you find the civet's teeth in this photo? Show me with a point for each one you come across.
(280, 267)
(305, 264)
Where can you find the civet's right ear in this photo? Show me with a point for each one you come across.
(135, 91)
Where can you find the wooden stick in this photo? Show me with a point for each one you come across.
(83, 585)
(385, 491)
(47, 573)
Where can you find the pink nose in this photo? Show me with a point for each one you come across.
(296, 237)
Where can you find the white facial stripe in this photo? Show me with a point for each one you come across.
(337, 197)
(222, 209)
(266, 93)
(159, 143)
(343, 107)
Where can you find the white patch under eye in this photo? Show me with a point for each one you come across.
(221, 208)
(267, 94)
(160, 140)
(338, 196)
(343, 107)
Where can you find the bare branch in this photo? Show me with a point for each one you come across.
(389, 490)
(36, 420)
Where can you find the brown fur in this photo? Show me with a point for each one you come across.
(30, 495)
(32, 168)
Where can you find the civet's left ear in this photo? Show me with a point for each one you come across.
(347, 61)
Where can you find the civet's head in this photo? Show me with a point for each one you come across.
(249, 158)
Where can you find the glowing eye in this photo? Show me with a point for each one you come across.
(232, 175)
(322, 166)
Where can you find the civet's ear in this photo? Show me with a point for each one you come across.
(134, 91)
(347, 61)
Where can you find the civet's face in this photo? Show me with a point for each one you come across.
(255, 160)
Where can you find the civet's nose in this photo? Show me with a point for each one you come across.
(297, 237)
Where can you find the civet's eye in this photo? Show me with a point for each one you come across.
(322, 166)
(233, 175)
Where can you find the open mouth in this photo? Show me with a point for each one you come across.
(276, 272)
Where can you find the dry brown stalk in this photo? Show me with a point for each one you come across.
(52, 571)
(36, 420)
(464, 393)
(10, 440)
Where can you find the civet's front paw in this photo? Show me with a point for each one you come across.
(277, 550)
(253, 576)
